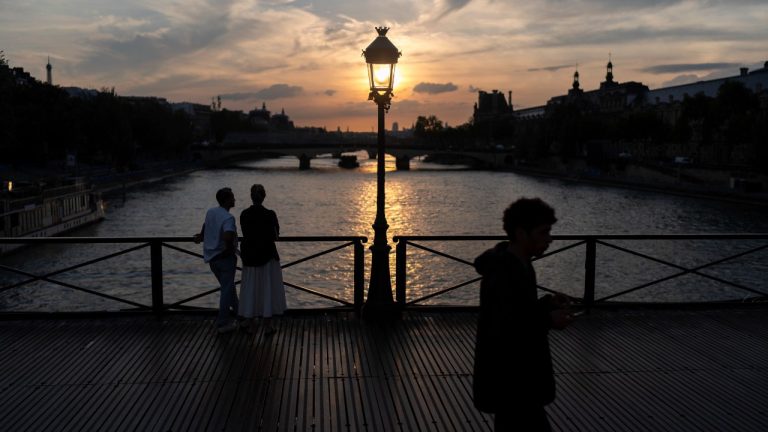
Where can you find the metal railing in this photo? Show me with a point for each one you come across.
(590, 243)
(156, 246)
(587, 297)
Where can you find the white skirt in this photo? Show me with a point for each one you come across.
(262, 293)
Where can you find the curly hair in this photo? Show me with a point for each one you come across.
(527, 213)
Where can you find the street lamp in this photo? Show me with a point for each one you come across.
(381, 57)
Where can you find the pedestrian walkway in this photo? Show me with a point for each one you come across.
(620, 370)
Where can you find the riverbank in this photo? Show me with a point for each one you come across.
(117, 183)
(699, 184)
(105, 180)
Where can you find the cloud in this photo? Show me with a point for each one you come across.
(690, 78)
(473, 89)
(434, 88)
(450, 6)
(437, 9)
(616, 36)
(173, 83)
(688, 67)
(634, 4)
(148, 43)
(275, 91)
(406, 105)
(239, 96)
(329, 92)
(551, 68)
(680, 80)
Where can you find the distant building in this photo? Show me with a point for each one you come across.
(259, 117)
(200, 116)
(262, 119)
(49, 72)
(611, 97)
(81, 93)
(530, 113)
(281, 121)
(138, 100)
(400, 132)
(492, 106)
(757, 81)
(21, 77)
(616, 97)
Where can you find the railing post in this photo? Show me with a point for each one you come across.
(589, 273)
(359, 289)
(400, 273)
(156, 258)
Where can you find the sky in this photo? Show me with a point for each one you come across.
(305, 56)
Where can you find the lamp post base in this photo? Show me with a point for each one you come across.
(380, 304)
(378, 312)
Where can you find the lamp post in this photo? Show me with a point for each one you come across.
(381, 57)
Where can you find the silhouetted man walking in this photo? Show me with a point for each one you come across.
(513, 320)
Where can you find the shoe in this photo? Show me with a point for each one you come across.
(227, 328)
(249, 329)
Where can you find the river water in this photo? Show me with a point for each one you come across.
(430, 199)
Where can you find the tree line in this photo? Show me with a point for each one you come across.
(40, 123)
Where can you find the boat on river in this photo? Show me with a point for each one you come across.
(45, 210)
(348, 161)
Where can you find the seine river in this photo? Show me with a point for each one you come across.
(430, 199)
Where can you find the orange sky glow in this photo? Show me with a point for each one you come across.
(304, 56)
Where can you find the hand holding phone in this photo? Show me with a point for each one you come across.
(578, 313)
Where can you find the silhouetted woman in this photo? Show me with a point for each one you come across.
(262, 293)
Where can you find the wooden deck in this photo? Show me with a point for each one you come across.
(630, 370)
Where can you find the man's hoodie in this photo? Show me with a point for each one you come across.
(513, 364)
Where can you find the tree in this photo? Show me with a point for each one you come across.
(427, 125)
(226, 121)
(428, 130)
(736, 108)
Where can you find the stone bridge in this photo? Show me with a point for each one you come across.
(306, 146)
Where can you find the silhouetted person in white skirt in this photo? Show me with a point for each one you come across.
(262, 293)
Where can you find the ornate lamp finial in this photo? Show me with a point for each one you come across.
(382, 31)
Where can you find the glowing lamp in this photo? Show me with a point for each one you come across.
(381, 57)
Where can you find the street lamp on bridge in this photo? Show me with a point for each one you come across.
(381, 57)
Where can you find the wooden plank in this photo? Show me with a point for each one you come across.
(408, 354)
(616, 370)
(463, 385)
(355, 409)
(280, 375)
(303, 407)
(143, 396)
(232, 369)
(35, 364)
(296, 374)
